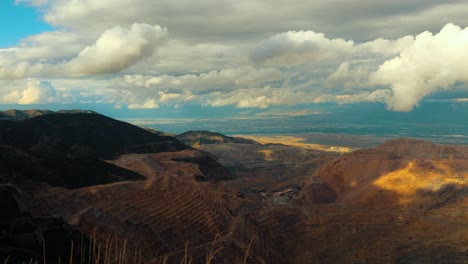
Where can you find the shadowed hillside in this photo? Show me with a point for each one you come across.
(83, 135)
(21, 166)
(47, 163)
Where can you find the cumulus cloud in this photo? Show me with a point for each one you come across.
(398, 72)
(298, 47)
(57, 54)
(351, 74)
(135, 90)
(410, 67)
(12, 98)
(309, 47)
(147, 104)
(246, 54)
(430, 63)
(117, 49)
(50, 47)
(41, 55)
(383, 46)
(260, 97)
(37, 91)
(218, 80)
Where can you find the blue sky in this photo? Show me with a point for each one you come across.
(19, 21)
(232, 57)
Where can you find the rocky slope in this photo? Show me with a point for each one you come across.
(133, 191)
(266, 171)
(197, 138)
(407, 167)
(402, 202)
(58, 169)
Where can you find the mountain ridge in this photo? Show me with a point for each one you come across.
(203, 137)
(82, 135)
(16, 115)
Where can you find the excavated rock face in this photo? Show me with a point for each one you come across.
(395, 203)
(272, 167)
(402, 167)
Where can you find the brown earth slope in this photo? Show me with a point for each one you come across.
(180, 206)
(405, 201)
(402, 202)
(203, 137)
(268, 172)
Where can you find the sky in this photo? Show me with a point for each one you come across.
(225, 56)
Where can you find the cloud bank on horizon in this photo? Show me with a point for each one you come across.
(249, 54)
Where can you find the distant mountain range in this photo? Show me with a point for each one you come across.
(83, 135)
(15, 115)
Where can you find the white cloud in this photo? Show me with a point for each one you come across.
(299, 47)
(180, 57)
(50, 47)
(309, 47)
(374, 96)
(64, 91)
(412, 67)
(383, 46)
(289, 113)
(164, 97)
(260, 97)
(41, 55)
(59, 54)
(117, 49)
(461, 100)
(351, 74)
(12, 98)
(37, 91)
(430, 63)
(244, 53)
(136, 90)
(218, 80)
(147, 104)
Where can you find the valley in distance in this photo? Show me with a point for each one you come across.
(80, 187)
